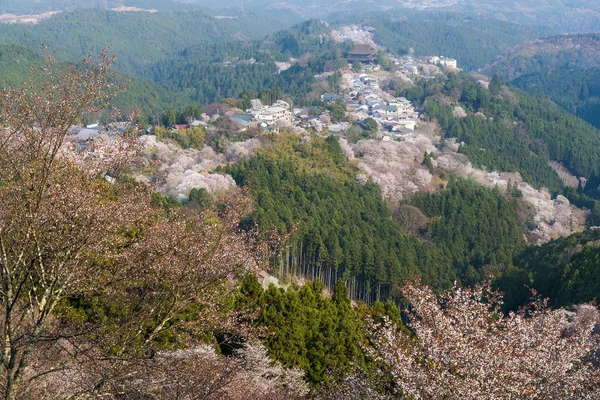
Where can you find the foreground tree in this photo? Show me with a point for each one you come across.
(465, 348)
(96, 281)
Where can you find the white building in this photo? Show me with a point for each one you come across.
(404, 106)
(444, 62)
(269, 115)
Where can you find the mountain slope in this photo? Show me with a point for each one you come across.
(566, 270)
(138, 38)
(208, 73)
(558, 52)
(566, 69)
(512, 131)
(16, 62)
(577, 90)
(564, 16)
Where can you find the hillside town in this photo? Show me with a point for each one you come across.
(361, 94)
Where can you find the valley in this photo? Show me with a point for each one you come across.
(289, 199)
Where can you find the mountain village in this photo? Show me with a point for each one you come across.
(360, 93)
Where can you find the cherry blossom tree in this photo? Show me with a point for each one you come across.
(463, 347)
(200, 373)
(96, 279)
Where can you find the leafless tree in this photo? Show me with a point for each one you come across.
(200, 373)
(410, 217)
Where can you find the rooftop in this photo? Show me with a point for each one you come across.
(362, 49)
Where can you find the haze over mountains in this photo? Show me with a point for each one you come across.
(563, 16)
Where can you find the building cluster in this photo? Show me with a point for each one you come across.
(449, 63)
(270, 115)
(265, 116)
(83, 135)
(408, 65)
(362, 96)
(96, 141)
(363, 53)
(395, 114)
(365, 98)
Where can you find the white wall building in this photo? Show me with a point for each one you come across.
(269, 115)
(444, 62)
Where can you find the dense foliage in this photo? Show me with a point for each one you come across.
(478, 226)
(149, 98)
(208, 73)
(567, 270)
(308, 330)
(563, 68)
(191, 138)
(343, 229)
(138, 39)
(515, 132)
(575, 90)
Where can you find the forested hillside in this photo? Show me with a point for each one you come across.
(473, 40)
(563, 68)
(209, 73)
(478, 226)
(513, 131)
(342, 229)
(566, 16)
(577, 90)
(566, 270)
(137, 38)
(349, 246)
(152, 100)
(310, 331)
(553, 53)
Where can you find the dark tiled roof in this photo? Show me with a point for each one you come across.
(362, 49)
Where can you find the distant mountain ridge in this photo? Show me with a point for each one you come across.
(42, 6)
(137, 38)
(557, 52)
(565, 16)
(564, 68)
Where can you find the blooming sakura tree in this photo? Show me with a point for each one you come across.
(463, 347)
(96, 279)
(200, 373)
